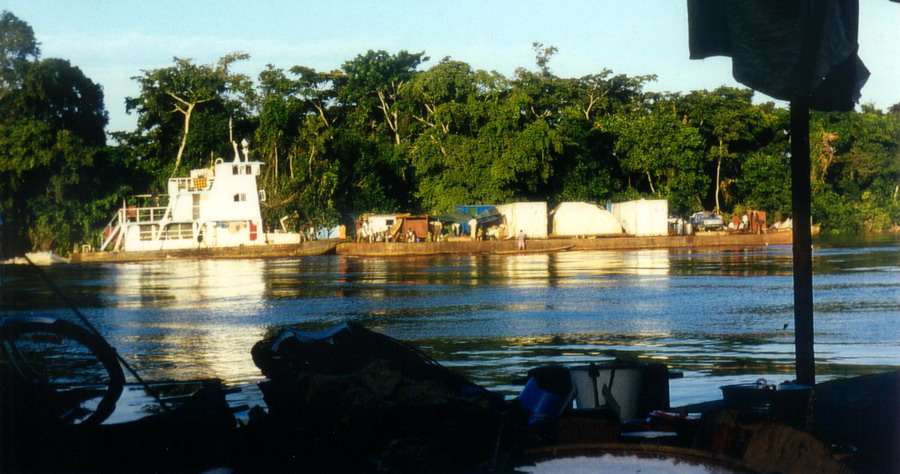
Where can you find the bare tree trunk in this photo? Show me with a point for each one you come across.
(187, 128)
(650, 180)
(592, 100)
(390, 117)
(718, 181)
(187, 110)
(291, 163)
(321, 111)
(719, 174)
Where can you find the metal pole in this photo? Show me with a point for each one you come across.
(803, 290)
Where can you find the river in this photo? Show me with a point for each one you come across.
(718, 315)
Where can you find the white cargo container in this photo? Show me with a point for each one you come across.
(530, 217)
(644, 217)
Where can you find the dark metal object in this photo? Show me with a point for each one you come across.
(802, 248)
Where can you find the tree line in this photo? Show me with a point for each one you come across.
(385, 133)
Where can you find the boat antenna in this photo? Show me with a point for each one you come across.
(94, 330)
(237, 155)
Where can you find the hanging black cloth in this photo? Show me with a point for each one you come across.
(785, 49)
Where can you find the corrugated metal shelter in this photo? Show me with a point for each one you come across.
(643, 217)
(417, 224)
(571, 219)
(530, 217)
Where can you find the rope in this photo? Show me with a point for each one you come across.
(94, 330)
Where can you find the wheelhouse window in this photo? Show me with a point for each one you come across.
(240, 197)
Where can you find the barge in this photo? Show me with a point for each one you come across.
(700, 240)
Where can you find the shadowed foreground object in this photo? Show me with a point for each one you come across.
(804, 52)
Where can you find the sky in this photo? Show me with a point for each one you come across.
(113, 41)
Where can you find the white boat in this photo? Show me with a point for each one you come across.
(213, 208)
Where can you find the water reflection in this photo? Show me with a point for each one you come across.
(189, 284)
(189, 316)
(719, 315)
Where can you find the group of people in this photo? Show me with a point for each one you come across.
(365, 233)
(752, 221)
(308, 233)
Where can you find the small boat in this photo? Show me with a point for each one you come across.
(561, 248)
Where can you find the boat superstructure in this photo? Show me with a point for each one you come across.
(216, 207)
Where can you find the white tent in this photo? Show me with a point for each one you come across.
(572, 219)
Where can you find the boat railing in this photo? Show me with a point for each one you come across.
(142, 214)
(200, 183)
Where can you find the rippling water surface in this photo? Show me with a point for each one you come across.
(718, 315)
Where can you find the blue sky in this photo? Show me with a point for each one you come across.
(112, 41)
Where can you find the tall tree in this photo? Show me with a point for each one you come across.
(856, 157)
(656, 147)
(295, 123)
(373, 81)
(732, 126)
(52, 139)
(178, 91)
(375, 172)
(18, 46)
(588, 170)
(58, 94)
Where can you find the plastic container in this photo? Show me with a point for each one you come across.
(548, 392)
(622, 380)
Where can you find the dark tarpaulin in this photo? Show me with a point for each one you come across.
(785, 49)
(454, 216)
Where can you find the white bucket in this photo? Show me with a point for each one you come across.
(625, 388)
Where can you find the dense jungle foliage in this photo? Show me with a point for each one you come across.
(386, 133)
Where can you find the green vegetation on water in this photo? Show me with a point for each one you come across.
(383, 133)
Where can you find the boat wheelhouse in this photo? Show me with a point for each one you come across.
(217, 207)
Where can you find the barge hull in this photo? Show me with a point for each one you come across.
(396, 249)
(711, 239)
(302, 249)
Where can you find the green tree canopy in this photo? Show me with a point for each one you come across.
(52, 148)
(662, 155)
(176, 98)
(18, 46)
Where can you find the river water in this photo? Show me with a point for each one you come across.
(718, 315)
